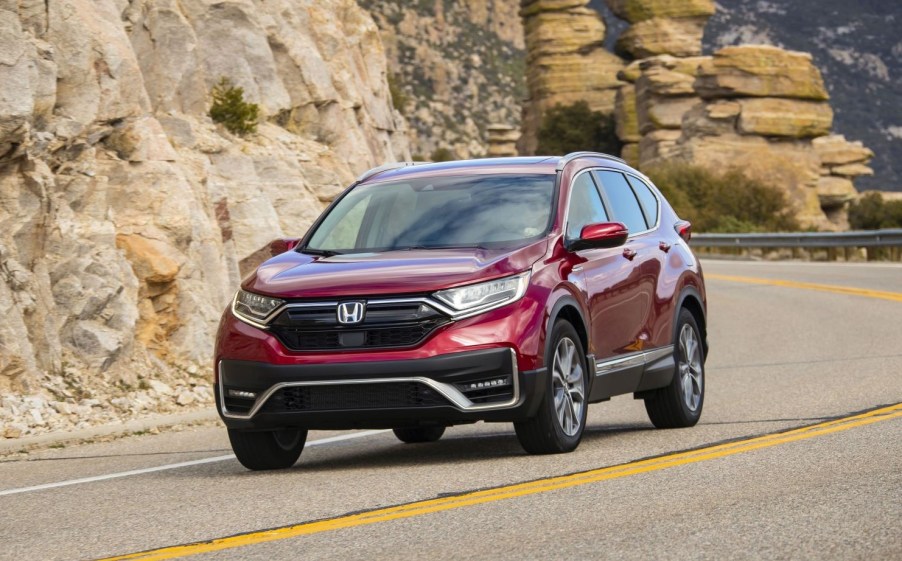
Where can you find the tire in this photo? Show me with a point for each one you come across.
(559, 423)
(262, 450)
(415, 435)
(679, 405)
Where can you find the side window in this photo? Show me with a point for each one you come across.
(624, 205)
(647, 198)
(585, 206)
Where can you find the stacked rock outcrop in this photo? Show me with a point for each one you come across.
(566, 62)
(841, 162)
(758, 108)
(659, 27)
(125, 212)
(762, 107)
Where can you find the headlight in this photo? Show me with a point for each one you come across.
(485, 296)
(254, 307)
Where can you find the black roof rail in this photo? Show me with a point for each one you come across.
(574, 155)
(387, 167)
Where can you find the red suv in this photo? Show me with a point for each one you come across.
(430, 295)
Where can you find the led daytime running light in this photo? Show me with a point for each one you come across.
(254, 307)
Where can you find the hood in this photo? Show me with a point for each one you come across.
(296, 275)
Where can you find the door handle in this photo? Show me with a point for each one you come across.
(629, 254)
(664, 246)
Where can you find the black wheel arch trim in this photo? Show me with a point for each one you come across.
(685, 294)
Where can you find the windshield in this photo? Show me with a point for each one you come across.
(461, 211)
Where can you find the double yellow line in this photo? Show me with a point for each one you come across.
(523, 489)
(879, 294)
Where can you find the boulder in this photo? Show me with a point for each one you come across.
(711, 118)
(835, 150)
(635, 11)
(760, 71)
(658, 36)
(852, 170)
(835, 191)
(661, 112)
(771, 116)
(657, 145)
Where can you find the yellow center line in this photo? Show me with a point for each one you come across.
(521, 489)
(881, 294)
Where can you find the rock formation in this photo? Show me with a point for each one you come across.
(755, 107)
(566, 62)
(457, 67)
(659, 27)
(125, 212)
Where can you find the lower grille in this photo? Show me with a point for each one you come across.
(354, 396)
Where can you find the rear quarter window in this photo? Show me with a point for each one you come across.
(647, 199)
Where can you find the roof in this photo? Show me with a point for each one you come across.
(524, 165)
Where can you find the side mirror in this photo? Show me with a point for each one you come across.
(605, 234)
(281, 245)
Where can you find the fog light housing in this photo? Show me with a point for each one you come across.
(242, 394)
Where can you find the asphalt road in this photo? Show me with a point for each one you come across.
(783, 356)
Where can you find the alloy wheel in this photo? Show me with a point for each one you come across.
(690, 368)
(568, 386)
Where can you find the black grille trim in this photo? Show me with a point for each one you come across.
(386, 325)
(395, 395)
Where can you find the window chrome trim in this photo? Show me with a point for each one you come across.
(457, 399)
(640, 358)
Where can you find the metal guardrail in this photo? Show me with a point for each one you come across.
(827, 240)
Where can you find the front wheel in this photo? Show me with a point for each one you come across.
(559, 423)
(679, 405)
(273, 449)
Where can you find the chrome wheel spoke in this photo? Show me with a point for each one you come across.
(568, 385)
(690, 367)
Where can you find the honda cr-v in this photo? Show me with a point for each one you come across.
(429, 295)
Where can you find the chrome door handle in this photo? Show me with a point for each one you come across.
(664, 246)
(629, 254)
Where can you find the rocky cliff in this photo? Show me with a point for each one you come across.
(457, 68)
(125, 213)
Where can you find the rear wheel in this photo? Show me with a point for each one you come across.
(558, 425)
(414, 435)
(679, 405)
(273, 449)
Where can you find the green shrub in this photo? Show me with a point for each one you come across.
(442, 155)
(398, 98)
(726, 201)
(230, 109)
(571, 128)
(871, 212)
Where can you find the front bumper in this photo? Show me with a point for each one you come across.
(445, 389)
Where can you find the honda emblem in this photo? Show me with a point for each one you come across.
(350, 313)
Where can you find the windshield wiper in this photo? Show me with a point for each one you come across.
(322, 252)
(416, 247)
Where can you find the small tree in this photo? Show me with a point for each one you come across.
(726, 201)
(872, 212)
(571, 128)
(442, 155)
(230, 109)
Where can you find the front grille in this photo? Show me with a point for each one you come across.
(396, 395)
(385, 325)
